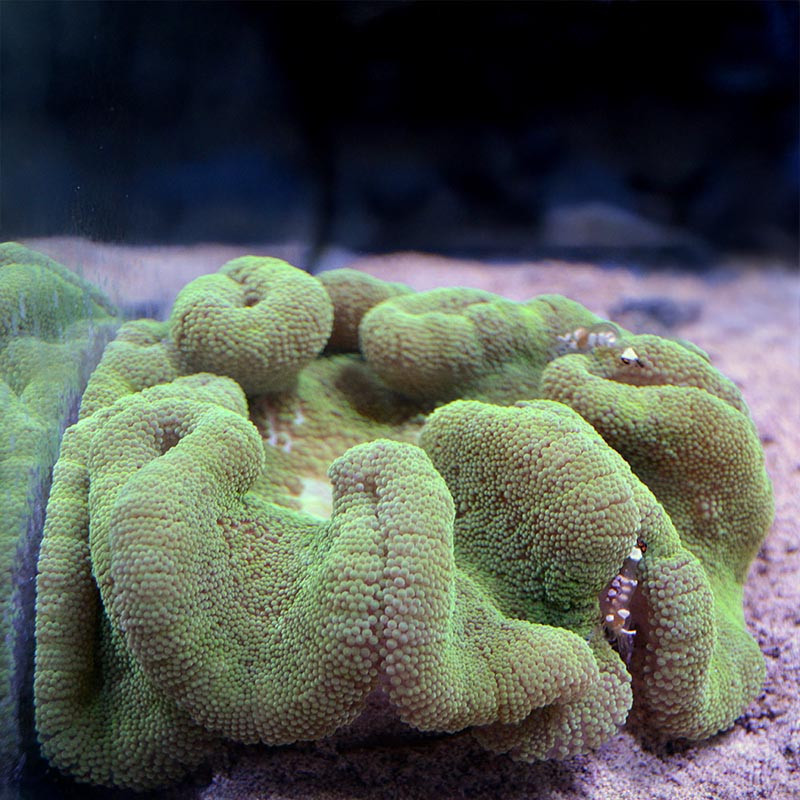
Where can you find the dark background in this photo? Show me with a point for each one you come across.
(652, 129)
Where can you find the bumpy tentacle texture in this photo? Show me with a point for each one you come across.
(461, 578)
(353, 293)
(449, 343)
(545, 512)
(98, 716)
(686, 433)
(53, 326)
(261, 623)
(141, 356)
(257, 320)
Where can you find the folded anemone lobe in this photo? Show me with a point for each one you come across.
(301, 492)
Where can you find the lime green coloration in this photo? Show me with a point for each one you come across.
(450, 343)
(686, 433)
(353, 293)
(98, 716)
(141, 355)
(337, 403)
(53, 325)
(545, 513)
(540, 479)
(260, 623)
(42, 298)
(262, 555)
(257, 320)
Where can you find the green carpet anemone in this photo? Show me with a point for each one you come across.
(301, 491)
